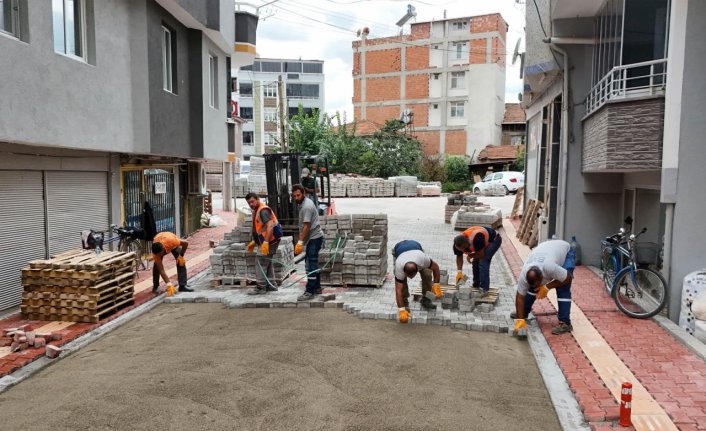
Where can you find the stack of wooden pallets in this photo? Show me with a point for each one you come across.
(528, 233)
(78, 286)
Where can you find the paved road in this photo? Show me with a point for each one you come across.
(203, 367)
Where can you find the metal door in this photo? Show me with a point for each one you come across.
(76, 201)
(22, 233)
(156, 186)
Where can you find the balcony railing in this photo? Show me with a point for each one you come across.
(648, 78)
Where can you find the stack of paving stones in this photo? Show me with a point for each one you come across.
(257, 181)
(382, 188)
(478, 216)
(456, 201)
(429, 189)
(357, 251)
(405, 186)
(359, 188)
(338, 187)
(240, 187)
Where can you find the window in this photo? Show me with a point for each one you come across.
(69, 27)
(456, 109)
(270, 115)
(10, 17)
(168, 47)
(498, 176)
(303, 91)
(233, 85)
(307, 112)
(271, 90)
(269, 139)
(246, 113)
(246, 89)
(248, 138)
(291, 66)
(436, 76)
(459, 25)
(293, 76)
(271, 66)
(460, 49)
(436, 106)
(458, 79)
(313, 68)
(213, 81)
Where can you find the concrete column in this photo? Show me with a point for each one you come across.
(227, 186)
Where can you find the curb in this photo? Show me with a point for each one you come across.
(69, 348)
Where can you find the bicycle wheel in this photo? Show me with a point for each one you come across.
(608, 265)
(642, 295)
(136, 247)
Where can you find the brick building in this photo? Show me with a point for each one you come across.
(450, 74)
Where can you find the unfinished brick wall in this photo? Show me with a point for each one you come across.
(478, 51)
(456, 142)
(380, 114)
(382, 89)
(357, 113)
(356, 90)
(383, 61)
(420, 31)
(356, 63)
(430, 141)
(417, 86)
(421, 114)
(498, 54)
(488, 23)
(416, 57)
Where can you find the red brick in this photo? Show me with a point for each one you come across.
(5, 341)
(429, 139)
(380, 114)
(40, 342)
(420, 31)
(383, 61)
(478, 51)
(382, 89)
(456, 142)
(417, 87)
(416, 57)
(52, 351)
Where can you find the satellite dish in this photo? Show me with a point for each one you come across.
(406, 116)
(411, 13)
(516, 53)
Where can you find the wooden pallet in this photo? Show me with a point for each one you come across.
(88, 318)
(519, 197)
(225, 281)
(492, 297)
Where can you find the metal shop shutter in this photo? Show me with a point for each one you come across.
(21, 230)
(76, 201)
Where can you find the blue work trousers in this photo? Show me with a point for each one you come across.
(563, 294)
(311, 265)
(481, 267)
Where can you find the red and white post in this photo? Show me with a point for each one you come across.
(625, 405)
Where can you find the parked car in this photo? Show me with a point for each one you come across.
(510, 180)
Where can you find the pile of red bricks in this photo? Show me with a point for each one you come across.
(24, 337)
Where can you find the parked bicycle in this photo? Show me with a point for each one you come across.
(637, 288)
(130, 239)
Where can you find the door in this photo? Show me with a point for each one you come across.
(154, 185)
(22, 236)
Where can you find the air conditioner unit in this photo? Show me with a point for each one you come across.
(197, 178)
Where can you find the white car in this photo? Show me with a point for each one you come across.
(509, 180)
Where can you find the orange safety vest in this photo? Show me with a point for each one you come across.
(471, 233)
(259, 226)
(168, 240)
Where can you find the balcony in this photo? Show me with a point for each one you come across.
(624, 124)
(246, 20)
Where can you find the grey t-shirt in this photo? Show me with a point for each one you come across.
(309, 214)
(549, 257)
(416, 256)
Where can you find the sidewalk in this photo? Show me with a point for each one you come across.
(197, 261)
(608, 348)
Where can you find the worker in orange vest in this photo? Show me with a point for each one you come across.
(479, 244)
(162, 244)
(266, 232)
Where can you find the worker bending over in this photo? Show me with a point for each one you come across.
(162, 244)
(480, 244)
(550, 266)
(266, 232)
(311, 238)
(410, 259)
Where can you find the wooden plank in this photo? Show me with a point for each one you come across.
(531, 236)
(519, 197)
(526, 216)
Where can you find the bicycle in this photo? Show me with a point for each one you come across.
(638, 290)
(130, 239)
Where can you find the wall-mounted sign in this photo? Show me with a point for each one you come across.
(160, 188)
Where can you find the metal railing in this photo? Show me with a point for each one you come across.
(648, 78)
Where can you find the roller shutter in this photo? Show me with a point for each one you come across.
(22, 236)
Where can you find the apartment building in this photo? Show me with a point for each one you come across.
(447, 78)
(105, 106)
(258, 100)
(615, 97)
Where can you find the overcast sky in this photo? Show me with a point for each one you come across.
(324, 30)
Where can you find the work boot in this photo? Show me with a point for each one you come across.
(427, 304)
(562, 328)
(257, 291)
(271, 288)
(484, 293)
(306, 296)
(185, 289)
(155, 290)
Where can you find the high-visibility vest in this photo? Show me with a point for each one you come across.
(168, 240)
(260, 228)
(471, 233)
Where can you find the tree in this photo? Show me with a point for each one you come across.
(456, 169)
(519, 164)
(393, 152)
(308, 133)
(343, 148)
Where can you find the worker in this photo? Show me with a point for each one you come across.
(266, 233)
(549, 266)
(162, 244)
(480, 244)
(311, 238)
(410, 259)
(311, 187)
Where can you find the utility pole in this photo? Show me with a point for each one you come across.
(282, 114)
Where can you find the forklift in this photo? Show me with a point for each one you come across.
(282, 171)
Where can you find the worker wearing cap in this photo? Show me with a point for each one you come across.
(480, 244)
(550, 266)
(410, 259)
(163, 244)
(266, 232)
(309, 184)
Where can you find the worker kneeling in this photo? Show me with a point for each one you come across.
(410, 259)
(550, 266)
(162, 244)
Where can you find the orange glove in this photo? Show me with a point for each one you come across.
(265, 248)
(459, 276)
(436, 288)
(404, 315)
(181, 261)
(520, 328)
(299, 247)
(542, 292)
(251, 247)
(171, 290)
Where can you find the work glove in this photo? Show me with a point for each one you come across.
(542, 292)
(171, 290)
(181, 261)
(404, 315)
(251, 246)
(265, 248)
(459, 277)
(299, 247)
(520, 328)
(436, 288)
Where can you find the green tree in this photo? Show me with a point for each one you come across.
(519, 164)
(308, 133)
(394, 152)
(343, 148)
(456, 169)
(431, 169)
